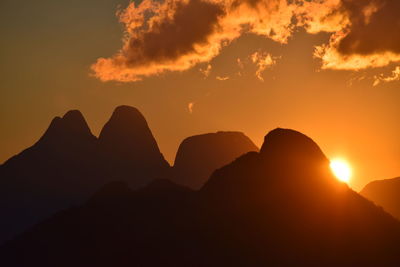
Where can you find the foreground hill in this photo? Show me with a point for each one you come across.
(68, 164)
(278, 207)
(385, 193)
(198, 156)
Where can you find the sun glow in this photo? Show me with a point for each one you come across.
(341, 169)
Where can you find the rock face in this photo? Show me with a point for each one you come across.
(385, 193)
(198, 156)
(279, 207)
(68, 164)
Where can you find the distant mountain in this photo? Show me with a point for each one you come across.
(385, 193)
(68, 164)
(279, 207)
(198, 156)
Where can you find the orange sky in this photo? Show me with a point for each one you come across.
(332, 72)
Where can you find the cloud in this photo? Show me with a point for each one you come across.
(368, 35)
(172, 35)
(263, 60)
(175, 35)
(394, 76)
(190, 107)
(222, 78)
(206, 71)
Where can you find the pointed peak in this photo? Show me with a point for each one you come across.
(71, 125)
(55, 122)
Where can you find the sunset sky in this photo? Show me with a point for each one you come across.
(330, 69)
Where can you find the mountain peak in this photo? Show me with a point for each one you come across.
(198, 156)
(290, 145)
(287, 157)
(128, 117)
(73, 114)
(127, 134)
(125, 109)
(75, 121)
(125, 122)
(71, 126)
(129, 148)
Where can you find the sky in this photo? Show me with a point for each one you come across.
(329, 69)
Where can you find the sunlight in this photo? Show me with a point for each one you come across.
(341, 169)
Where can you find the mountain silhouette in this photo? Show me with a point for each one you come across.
(68, 164)
(279, 207)
(385, 193)
(198, 156)
(55, 173)
(71, 129)
(129, 150)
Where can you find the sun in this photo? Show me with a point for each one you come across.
(341, 169)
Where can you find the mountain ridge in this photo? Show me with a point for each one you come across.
(259, 210)
(68, 164)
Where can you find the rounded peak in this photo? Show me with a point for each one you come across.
(373, 185)
(74, 120)
(219, 133)
(220, 137)
(198, 156)
(73, 115)
(126, 111)
(290, 144)
(124, 121)
(218, 142)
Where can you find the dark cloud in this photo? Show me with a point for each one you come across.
(170, 38)
(374, 28)
(173, 35)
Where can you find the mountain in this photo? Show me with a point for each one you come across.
(279, 207)
(54, 173)
(68, 164)
(128, 149)
(198, 156)
(385, 193)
